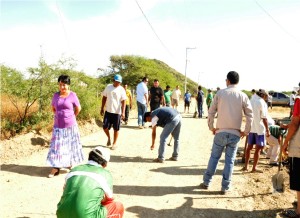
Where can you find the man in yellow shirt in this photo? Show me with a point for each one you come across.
(128, 103)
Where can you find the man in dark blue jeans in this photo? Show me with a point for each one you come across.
(200, 98)
(170, 120)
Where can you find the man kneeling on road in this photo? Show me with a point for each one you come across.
(170, 120)
(88, 190)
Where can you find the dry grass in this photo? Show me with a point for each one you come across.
(10, 112)
(278, 112)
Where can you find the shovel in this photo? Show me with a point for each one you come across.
(278, 179)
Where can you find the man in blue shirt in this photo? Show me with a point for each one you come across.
(170, 120)
(187, 101)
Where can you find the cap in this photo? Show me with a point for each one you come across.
(118, 78)
(105, 153)
(262, 91)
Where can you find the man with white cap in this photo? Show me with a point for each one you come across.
(88, 190)
(114, 97)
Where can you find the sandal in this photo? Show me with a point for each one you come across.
(290, 213)
(54, 172)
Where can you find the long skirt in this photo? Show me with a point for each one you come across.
(65, 147)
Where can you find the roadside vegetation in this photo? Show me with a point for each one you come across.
(26, 99)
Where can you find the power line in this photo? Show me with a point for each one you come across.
(275, 21)
(153, 29)
(63, 25)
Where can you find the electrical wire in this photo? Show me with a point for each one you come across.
(153, 29)
(63, 26)
(276, 22)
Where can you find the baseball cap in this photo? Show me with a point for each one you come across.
(118, 78)
(104, 153)
(262, 91)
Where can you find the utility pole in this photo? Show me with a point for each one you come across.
(186, 60)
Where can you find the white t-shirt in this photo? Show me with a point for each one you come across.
(141, 90)
(176, 94)
(260, 111)
(292, 99)
(114, 95)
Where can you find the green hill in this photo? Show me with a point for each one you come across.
(134, 68)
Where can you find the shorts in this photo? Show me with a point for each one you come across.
(187, 103)
(255, 139)
(294, 163)
(174, 102)
(111, 119)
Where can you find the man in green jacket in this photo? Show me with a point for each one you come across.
(88, 190)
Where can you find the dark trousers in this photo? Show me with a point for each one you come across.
(127, 112)
(200, 109)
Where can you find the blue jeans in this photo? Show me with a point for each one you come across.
(200, 109)
(171, 128)
(142, 109)
(230, 143)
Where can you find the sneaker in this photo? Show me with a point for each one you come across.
(157, 160)
(141, 127)
(203, 186)
(223, 192)
(173, 158)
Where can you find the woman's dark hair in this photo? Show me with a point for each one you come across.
(64, 79)
(96, 155)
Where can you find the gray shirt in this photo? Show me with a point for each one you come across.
(230, 104)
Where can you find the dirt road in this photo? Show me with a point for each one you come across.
(147, 189)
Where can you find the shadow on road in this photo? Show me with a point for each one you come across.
(187, 210)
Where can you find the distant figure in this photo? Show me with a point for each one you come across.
(269, 101)
(170, 120)
(200, 99)
(88, 190)
(231, 104)
(187, 101)
(142, 101)
(65, 147)
(209, 99)
(156, 96)
(252, 93)
(128, 103)
(176, 97)
(114, 97)
(259, 129)
(292, 102)
(168, 94)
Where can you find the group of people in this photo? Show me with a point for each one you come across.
(229, 104)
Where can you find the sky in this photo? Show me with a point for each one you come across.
(202, 39)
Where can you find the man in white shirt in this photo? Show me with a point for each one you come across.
(259, 129)
(142, 101)
(114, 97)
(292, 102)
(176, 97)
